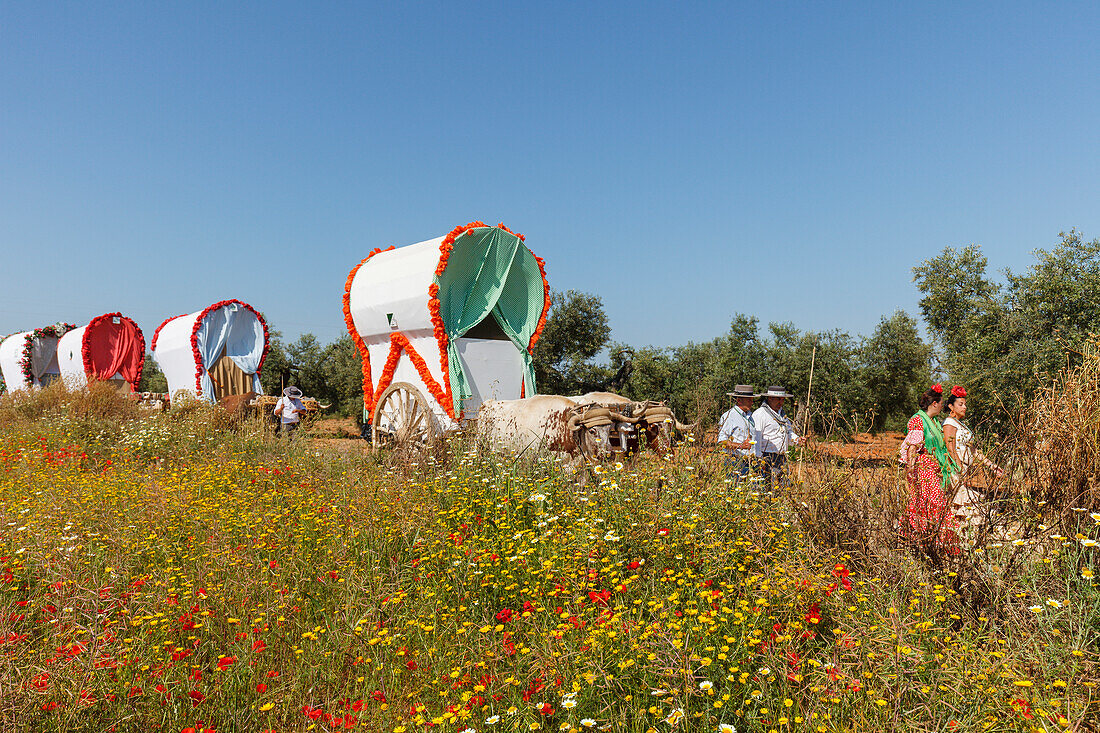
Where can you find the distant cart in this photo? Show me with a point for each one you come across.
(29, 359)
(442, 326)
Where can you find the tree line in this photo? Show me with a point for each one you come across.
(1002, 338)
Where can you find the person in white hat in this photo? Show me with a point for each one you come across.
(737, 432)
(777, 434)
(288, 409)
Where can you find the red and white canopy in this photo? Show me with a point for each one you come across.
(110, 347)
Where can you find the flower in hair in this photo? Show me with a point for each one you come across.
(958, 391)
(937, 388)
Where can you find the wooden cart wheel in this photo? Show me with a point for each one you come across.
(402, 418)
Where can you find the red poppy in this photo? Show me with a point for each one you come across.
(504, 615)
(224, 662)
(261, 688)
(196, 697)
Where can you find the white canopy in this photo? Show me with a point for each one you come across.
(390, 291)
(43, 352)
(457, 317)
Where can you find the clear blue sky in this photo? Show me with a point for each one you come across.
(684, 161)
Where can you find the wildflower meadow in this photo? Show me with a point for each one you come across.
(175, 572)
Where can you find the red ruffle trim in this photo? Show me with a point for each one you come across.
(364, 355)
(86, 349)
(156, 334)
(195, 338)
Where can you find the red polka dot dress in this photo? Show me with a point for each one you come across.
(927, 515)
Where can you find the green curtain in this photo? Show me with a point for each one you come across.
(489, 271)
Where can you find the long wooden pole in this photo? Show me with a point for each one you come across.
(806, 422)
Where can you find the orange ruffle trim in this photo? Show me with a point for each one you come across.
(368, 385)
(399, 343)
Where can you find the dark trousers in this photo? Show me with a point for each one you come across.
(775, 470)
(743, 468)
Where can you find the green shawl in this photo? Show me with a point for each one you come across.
(935, 444)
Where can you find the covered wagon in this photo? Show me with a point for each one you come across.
(29, 359)
(110, 348)
(214, 353)
(444, 325)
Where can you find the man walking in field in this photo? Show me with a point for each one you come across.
(738, 434)
(777, 435)
(288, 409)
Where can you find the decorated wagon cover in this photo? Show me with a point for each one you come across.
(213, 353)
(110, 347)
(457, 317)
(29, 358)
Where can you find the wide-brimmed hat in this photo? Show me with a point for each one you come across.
(292, 392)
(742, 390)
(776, 391)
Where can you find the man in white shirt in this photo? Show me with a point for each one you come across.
(288, 408)
(777, 434)
(737, 433)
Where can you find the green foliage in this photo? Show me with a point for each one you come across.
(152, 378)
(897, 367)
(1005, 340)
(576, 331)
(332, 373)
(695, 378)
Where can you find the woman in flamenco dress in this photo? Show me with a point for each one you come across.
(928, 521)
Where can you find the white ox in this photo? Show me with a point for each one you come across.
(541, 422)
(655, 420)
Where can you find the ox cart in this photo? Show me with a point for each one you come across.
(442, 326)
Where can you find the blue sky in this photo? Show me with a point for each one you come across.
(683, 161)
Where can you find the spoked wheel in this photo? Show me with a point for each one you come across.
(402, 418)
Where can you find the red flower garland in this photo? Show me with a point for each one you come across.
(25, 362)
(156, 334)
(959, 391)
(937, 388)
(85, 347)
(195, 339)
(360, 345)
